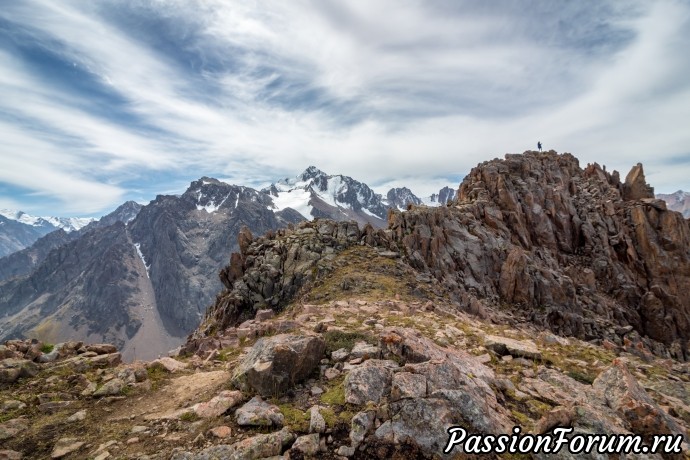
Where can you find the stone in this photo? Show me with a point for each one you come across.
(635, 186)
(340, 355)
(255, 447)
(263, 315)
(6, 454)
(317, 424)
(619, 390)
(12, 369)
(101, 348)
(369, 383)
(11, 405)
(331, 373)
(77, 416)
(102, 456)
(136, 429)
(54, 406)
(111, 388)
(274, 364)
(408, 385)
(221, 432)
(90, 389)
(49, 357)
(516, 348)
(12, 428)
(219, 404)
(65, 446)
(360, 425)
(307, 444)
(167, 364)
(365, 351)
(346, 451)
(257, 412)
(315, 391)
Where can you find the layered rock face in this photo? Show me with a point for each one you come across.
(532, 237)
(573, 249)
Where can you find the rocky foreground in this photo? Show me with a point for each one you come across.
(345, 379)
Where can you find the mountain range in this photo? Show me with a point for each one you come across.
(315, 194)
(19, 230)
(545, 296)
(143, 276)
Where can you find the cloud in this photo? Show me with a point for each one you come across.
(115, 99)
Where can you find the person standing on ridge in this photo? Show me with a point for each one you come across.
(539, 145)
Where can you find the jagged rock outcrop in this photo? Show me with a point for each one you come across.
(269, 271)
(635, 186)
(533, 236)
(559, 245)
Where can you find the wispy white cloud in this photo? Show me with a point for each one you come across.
(381, 91)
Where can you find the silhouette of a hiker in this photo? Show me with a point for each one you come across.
(539, 145)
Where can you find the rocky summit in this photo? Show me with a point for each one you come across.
(543, 296)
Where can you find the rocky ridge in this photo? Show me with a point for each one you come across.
(534, 238)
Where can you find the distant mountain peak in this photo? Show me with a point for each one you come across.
(312, 172)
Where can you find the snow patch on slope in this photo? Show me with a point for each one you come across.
(297, 199)
(137, 246)
(211, 206)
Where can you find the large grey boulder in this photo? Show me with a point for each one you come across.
(256, 447)
(275, 364)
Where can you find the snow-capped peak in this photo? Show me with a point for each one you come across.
(314, 188)
(68, 224)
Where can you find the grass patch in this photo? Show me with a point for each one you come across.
(156, 375)
(189, 417)
(335, 340)
(361, 272)
(47, 348)
(335, 395)
(295, 419)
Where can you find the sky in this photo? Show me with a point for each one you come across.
(102, 102)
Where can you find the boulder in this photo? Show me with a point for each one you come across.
(110, 388)
(12, 369)
(167, 364)
(218, 405)
(369, 382)
(255, 447)
(65, 446)
(619, 390)
(11, 428)
(274, 364)
(257, 412)
(307, 445)
(317, 424)
(507, 346)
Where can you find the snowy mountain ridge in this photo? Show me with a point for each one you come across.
(315, 193)
(68, 224)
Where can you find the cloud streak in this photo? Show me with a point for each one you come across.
(103, 101)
